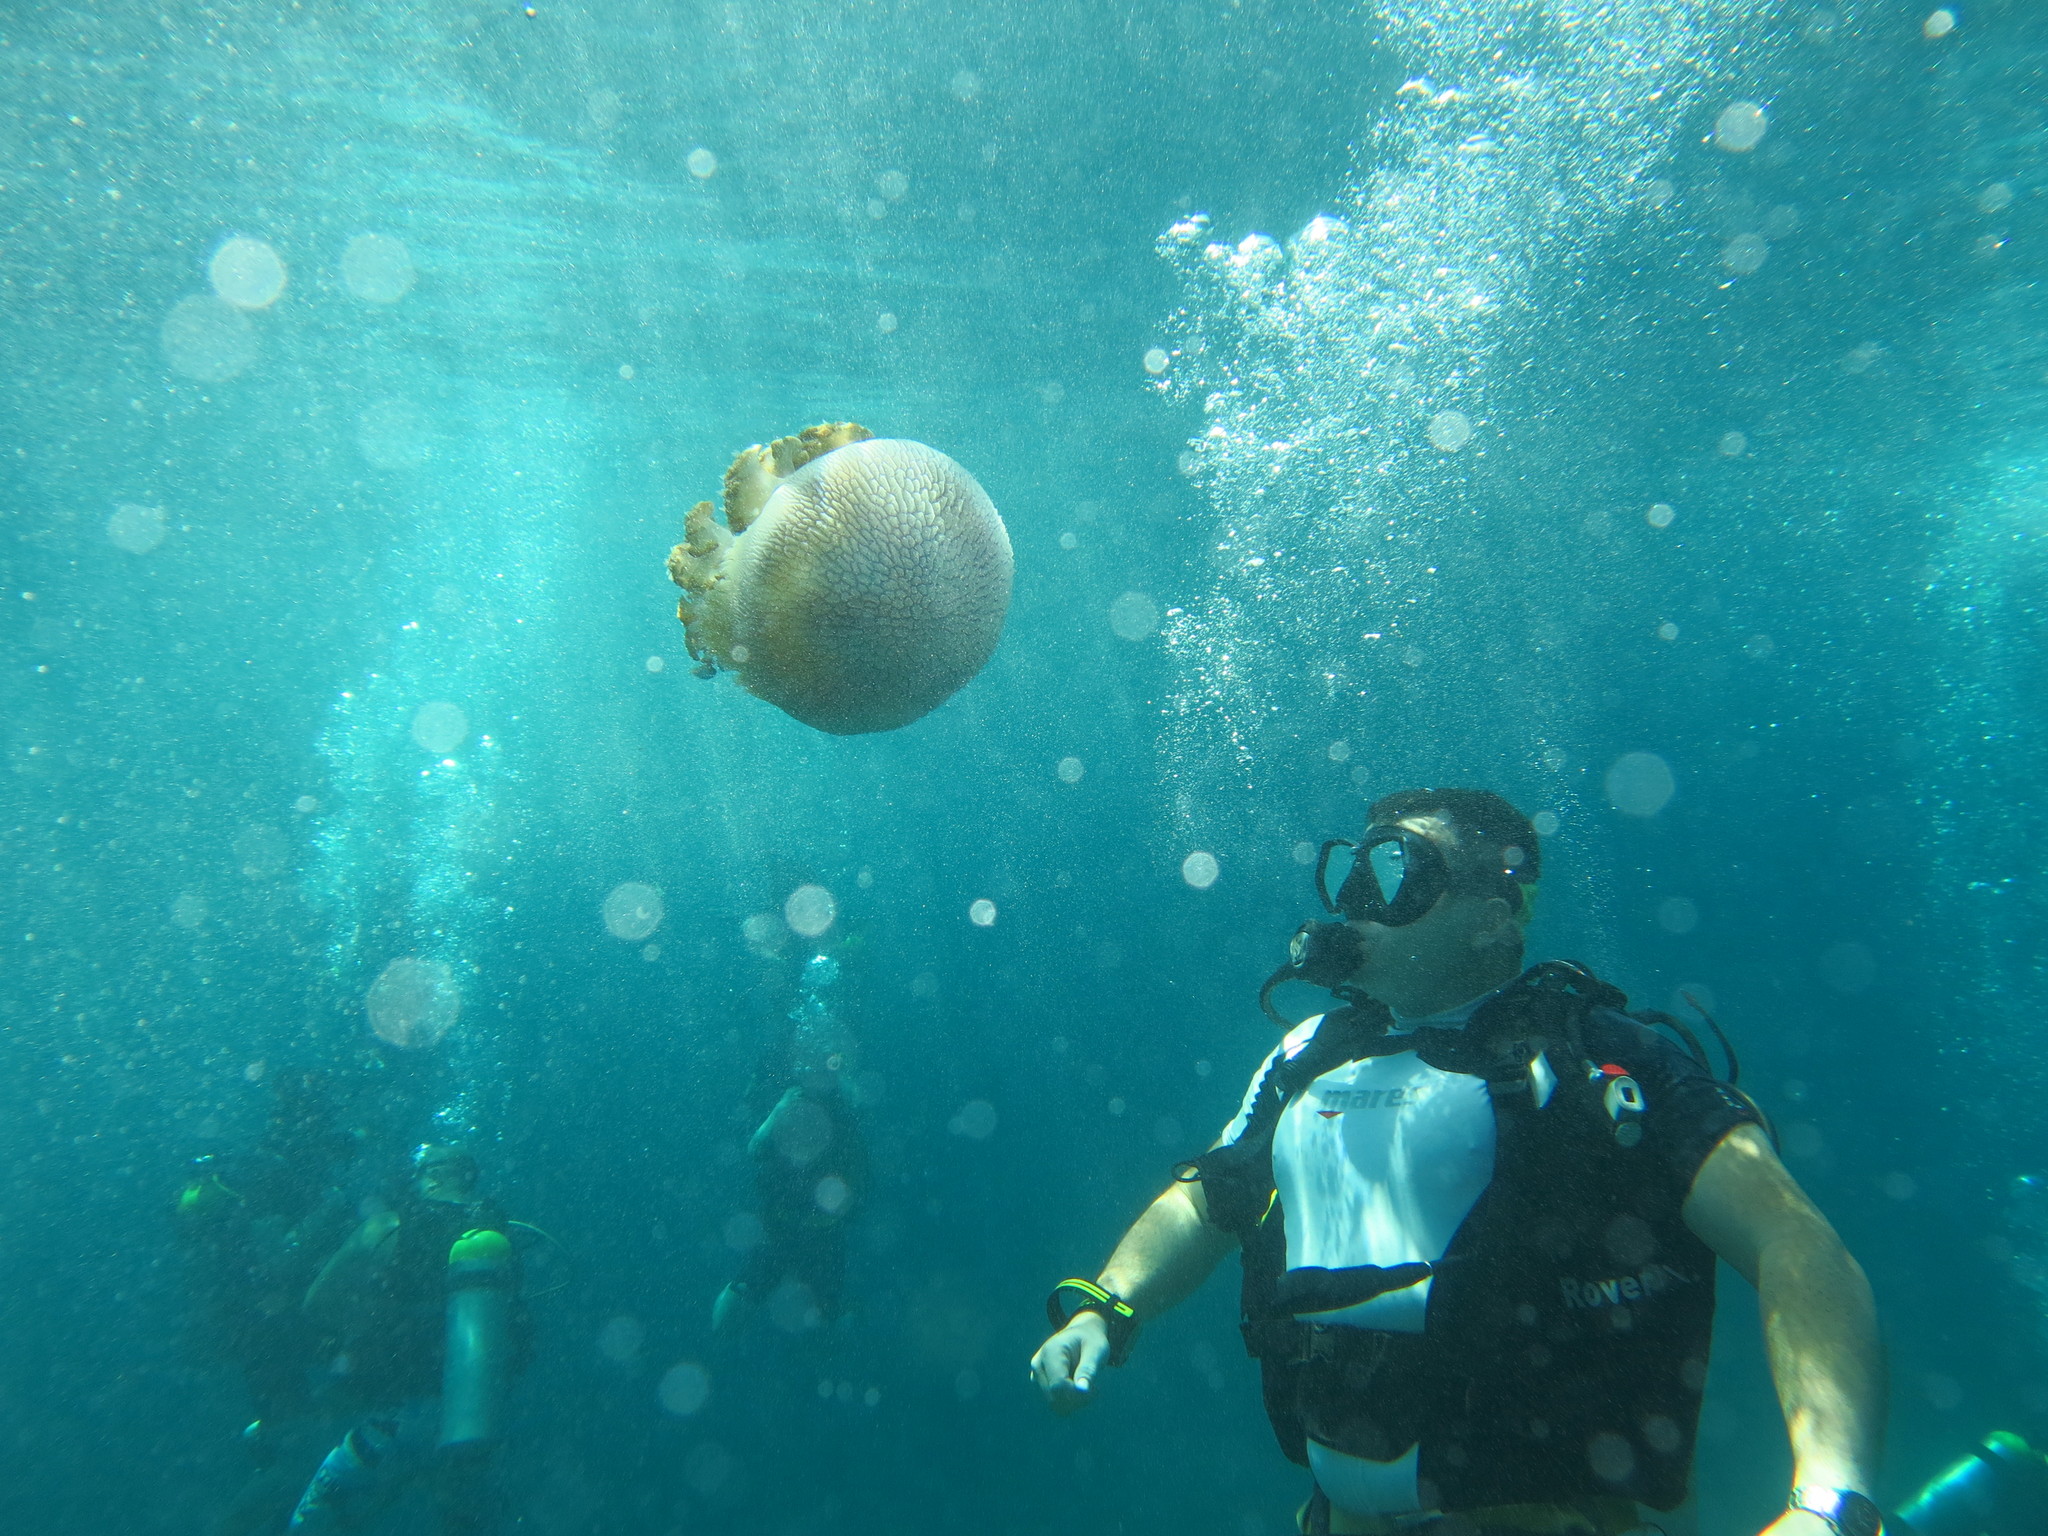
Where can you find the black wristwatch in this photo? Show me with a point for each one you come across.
(1848, 1512)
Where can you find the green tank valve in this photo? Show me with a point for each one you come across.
(482, 1246)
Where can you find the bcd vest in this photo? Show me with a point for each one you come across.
(1565, 1339)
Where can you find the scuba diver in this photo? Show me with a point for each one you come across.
(251, 1226)
(810, 1172)
(421, 1305)
(1478, 1209)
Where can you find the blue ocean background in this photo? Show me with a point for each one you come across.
(1375, 394)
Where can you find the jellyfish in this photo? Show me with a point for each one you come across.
(857, 582)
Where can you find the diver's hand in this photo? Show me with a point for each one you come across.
(1067, 1364)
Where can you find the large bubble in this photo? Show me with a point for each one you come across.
(208, 339)
(1640, 784)
(377, 269)
(1134, 616)
(414, 1002)
(810, 910)
(440, 727)
(136, 529)
(632, 910)
(248, 273)
(685, 1387)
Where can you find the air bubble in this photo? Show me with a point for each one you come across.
(377, 269)
(685, 1387)
(885, 322)
(1069, 541)
(136, 529)
(702, 163)
(1733, 445)
(413, 1002)
(1745, 254)
(1200, 869)
(982, 913)
(248, 273)
(810, 910)
(632, 910)
(1303, 853)
(1938, 24)
(1667, 631)
(1134, 616)
(1450, 430)
(1156, 360)
(1678, 914)
(893, 185)
(1338, 751)
(1070, 770)
(1545, 823)
(1640, 784)
(656, 663)
(976, 1120)
(440, 727)
(1661, 515)
(965, 86)
(208, 339)
(1740, 127)
(619, 1340)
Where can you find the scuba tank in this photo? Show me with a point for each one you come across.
(1999, 1489)
(476, 1357)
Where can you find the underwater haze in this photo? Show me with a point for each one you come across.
(1640, 409)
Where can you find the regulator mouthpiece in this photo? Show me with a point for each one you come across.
(1321, 954)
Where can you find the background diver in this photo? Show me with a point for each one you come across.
(810, 1168)
(1479, 1209)
(422, 1304)
(252, 1226)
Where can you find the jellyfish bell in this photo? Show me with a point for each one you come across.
(856, 583)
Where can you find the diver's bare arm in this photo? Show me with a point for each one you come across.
(1820, 1321)
(1167, 1254)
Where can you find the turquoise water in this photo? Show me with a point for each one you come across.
(1484, 394)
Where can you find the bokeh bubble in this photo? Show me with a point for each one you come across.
(206, 338)
(657, 663)
(685, 1388)
(1661, 515)
(262, 852)
(982, 913)
(632, 910)
(1848, 967)
(1070, 770)
(965, 86)
(831, 1194)
(394, 434)
(1740, 127)
(1938, 24)
(414, 1002)
(1134, 616)
(1678, 914)
(810, 910)
(248, 273)
(1200, 869)
(1156, 360)
(703, 164)
(377, 268)
(1303, 852)
(1744, 254)
(764, 932)
(440, 727)
(975, 1120)
(619, 1340)
(189, 910)
(136, 529)
(1640, 783)
(1732, 445)
(1450, 430)
(893, 185)
(1545, 823)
